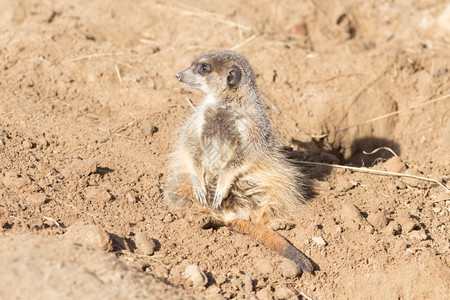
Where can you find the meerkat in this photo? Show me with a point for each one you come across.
(227, 165)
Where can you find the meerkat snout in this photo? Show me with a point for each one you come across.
(194, 77)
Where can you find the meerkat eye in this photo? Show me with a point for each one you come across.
(203, 68)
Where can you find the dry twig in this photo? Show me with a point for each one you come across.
(378, 172)
(190, 103)
(80, 210)
(118, 73)
(244, 42)
(51, 220)
(90, 56)
(381, 148)
(199, 13)
(305, 296)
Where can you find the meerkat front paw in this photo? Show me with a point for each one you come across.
(220, 195)
(199, 190)
(223, 188)
(200, 195)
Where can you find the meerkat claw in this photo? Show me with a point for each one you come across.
(200, 195)
(218, 197)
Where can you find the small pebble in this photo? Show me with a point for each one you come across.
(264, 266)
(283, 292)
(436, 209)
(145, 244)
(89, 235)
(82, 167)
(130, 198)
(97, 195)
(248, 284)
(11, 180)
(392, 186)
(150, 129)
(213, 290)
(289, 269)
(410, 251)
(27, 144)
(408, 226)
(89, 167)
(436, 223)
(196, 275)
(369, 229)
(406, 222)
(236, 283)
(395, 164)
(260, 283)
(418, 234)
(264, 294)
(393, 228)
(36, 199)
(399, 246)
(337, 230)
(299, 29)
(441, 71)
(350, 212)
(160, 271)
(168, 218)
(377, 220)
(220, 279)
(5, 217)
(42, 141)
(352, 216)
(319, 240)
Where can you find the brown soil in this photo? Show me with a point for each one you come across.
(89, 107)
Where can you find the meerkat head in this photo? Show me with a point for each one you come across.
(219, 72)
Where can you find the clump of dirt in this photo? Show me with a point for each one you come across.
(88, 113)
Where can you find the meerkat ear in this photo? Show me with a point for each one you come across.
(234, 76)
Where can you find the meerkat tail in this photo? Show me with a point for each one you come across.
(272, 240)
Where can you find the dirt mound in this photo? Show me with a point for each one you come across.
(34, 267)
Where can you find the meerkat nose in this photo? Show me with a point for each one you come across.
(178, 76)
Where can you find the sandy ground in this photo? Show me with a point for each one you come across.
(89, 107)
